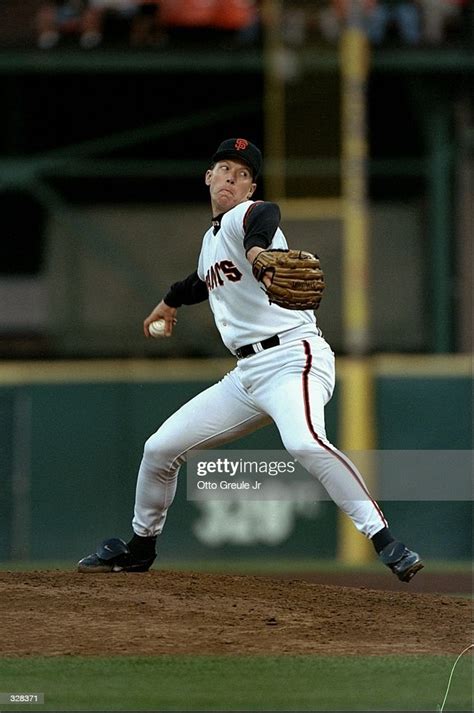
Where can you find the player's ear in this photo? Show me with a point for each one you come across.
(252, 190)
(207, 177)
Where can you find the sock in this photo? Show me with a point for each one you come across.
(142, 547)
(382, 538)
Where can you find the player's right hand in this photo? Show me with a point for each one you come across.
(161, 311)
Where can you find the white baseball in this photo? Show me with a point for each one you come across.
(157, 329)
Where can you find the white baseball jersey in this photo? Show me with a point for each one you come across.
(289, 384)
(241, 308)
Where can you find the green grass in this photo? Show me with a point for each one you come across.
(252, 683)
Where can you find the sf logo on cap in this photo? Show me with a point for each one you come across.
(241, 144)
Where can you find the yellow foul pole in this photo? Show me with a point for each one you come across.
(354, 61)
(357, 424)
(356, 407)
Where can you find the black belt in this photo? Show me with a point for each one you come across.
(249, 349)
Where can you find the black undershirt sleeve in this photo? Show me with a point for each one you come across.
(190, 291)
(260, 224)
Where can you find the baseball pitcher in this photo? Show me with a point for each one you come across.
(263, 298)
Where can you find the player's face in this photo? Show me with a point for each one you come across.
(230, 183)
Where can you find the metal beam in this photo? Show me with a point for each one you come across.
(17, 172)
(160, 130)
(126, 61)
(426, 61)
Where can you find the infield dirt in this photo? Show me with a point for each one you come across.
(165, 612)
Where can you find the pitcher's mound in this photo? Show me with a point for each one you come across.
(158, 612)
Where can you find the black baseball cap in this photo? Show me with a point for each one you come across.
(243, 150)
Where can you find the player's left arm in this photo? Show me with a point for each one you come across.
(292, 279)
(260, 225)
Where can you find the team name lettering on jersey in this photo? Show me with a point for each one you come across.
(224, 267)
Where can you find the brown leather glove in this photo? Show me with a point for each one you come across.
(297, 281)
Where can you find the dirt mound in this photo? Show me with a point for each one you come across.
(55, 612)
(428, 582)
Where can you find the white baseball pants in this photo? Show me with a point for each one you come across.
(289, 384)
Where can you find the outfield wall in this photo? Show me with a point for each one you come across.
(72, 433)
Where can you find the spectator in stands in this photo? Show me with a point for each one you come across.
(238, 19)
(376, 17)
(333, 17)
(119, 11)
(203, 20)
(436, 16)
(60, 17)
(404, 14)
(186, 18)
(147, 27)
(84, 18)
(294, 25)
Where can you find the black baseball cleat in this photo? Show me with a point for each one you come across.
(114, 555)
(402, 561)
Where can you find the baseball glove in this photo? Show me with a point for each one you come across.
(297, 281)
